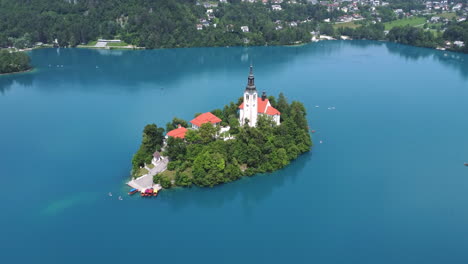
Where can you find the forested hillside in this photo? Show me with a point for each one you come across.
(190, 23)
(150, 23)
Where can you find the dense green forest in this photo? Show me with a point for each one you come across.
(203, 158)
(13, 62)
(151, 23)
(173, 23)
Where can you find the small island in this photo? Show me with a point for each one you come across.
(258, 134)
(14, 62)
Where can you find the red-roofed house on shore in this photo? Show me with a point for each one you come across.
(205, 118)
(254, 105)
(177, 133)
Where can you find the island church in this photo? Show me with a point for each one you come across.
(253, 106)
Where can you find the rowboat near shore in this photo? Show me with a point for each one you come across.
(150, 192)
(133, 191)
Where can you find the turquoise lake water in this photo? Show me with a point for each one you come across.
(387, 185)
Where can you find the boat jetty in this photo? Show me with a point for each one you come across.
(145, 186)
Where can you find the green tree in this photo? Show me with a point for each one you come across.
(175, 124)
(175, 149)
(208, 132)
(182, 179)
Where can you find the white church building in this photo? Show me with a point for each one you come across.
(253, 106)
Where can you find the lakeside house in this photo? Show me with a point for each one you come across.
(245, 29)
(177, 133)
(205, 118)
(459, 44)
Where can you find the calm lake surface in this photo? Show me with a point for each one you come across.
(387, 185)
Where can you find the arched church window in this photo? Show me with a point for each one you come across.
(247, 96)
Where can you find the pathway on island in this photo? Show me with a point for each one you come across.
(146, 181)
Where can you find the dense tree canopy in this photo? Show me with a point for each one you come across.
(172, 23)
(150, 23)
(153, 137)
(13, 62)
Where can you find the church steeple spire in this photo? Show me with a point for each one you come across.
(251, 81)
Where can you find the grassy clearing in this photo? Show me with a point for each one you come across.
(169, 174)
(346, 25)
(412, 21)
(141, 172)
(92, 43)
(151, 165)
(119, 44)
(448, 15)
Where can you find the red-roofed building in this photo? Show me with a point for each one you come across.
(254, 105)
(177, 133)
(205, 118)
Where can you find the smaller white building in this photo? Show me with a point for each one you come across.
(156, 158)
(459, 44)
(276, 8)
(245, 29)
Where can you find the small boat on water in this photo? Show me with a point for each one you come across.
(149, 192)
(313, 131)
(120, 198)
(110, 194)
(466, 164)
(132, 191)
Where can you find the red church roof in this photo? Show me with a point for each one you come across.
(262, 107)
(272, 111)
(177, 133)
(205, 118)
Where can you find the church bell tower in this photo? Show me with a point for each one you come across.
(250, 101)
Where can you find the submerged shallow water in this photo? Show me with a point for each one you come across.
(387, 185)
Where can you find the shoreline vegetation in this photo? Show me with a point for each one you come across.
(206, 157)
(14, 62)
(189, 23)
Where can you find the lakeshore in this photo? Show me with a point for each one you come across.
(25, 71)
(378, 169)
